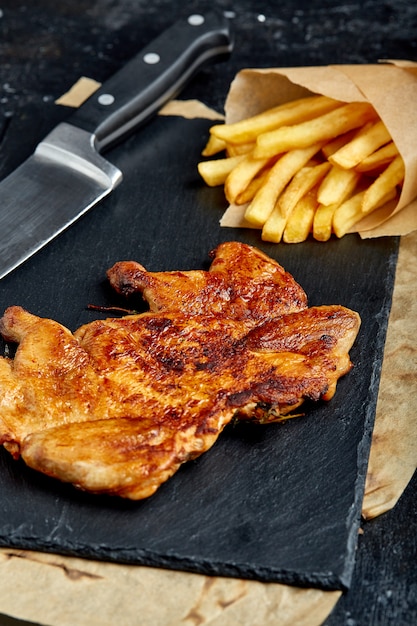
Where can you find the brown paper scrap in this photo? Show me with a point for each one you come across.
(190, 109)
(393, 457)
(63, 591)
(391, 87)
(79, 92)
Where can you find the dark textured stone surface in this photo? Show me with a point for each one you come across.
(38, 40)
(384, 585)
(44, 48)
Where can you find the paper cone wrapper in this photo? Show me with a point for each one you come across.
(391, 88)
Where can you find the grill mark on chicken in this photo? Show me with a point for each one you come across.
(117, 406)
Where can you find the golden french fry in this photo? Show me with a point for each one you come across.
(242, 148)
(274, 226)
(304, 180)
(300, 220)
(345, 186)
(323, 221)
(379, 158)
(368, 139)
(240, 177)
(350, 212)
(279, 176)
(291, 112)
(387, 181)
(249, 193)
(213, 146)
(337, 185)
(347, 214)
(319, 129)
(335, 144)
(215, 172)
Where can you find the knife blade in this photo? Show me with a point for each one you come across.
(67, 174)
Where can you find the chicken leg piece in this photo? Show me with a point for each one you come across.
(242, 284)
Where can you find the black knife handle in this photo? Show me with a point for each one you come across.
(152, 77)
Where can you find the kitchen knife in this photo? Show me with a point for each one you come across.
(67, 174)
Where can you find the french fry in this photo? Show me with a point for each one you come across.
(337, 185)
(215, 172)
(319, 129)
(368, 139)
(340, 186)
(382, 186)
(347, 214)
(335, 144)
(213, 146)
(350, 212)
(273, 228)
(240, 177)
(323, 221)
(279, 176)
(242, 148)
(288, 113)
(303, 181)
(379, 158)
(300, 220)
(255, 184)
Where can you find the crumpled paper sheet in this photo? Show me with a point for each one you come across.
(66, 591)
(393, 456)
(62, 591)
(78, 93)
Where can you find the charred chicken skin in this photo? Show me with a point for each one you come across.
(117, 406)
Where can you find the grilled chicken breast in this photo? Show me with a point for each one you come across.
(119, 405)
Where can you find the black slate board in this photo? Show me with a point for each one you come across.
(273, 503)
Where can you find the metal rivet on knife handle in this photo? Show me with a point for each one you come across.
(196, 20)
(106, 99)
(151, 58)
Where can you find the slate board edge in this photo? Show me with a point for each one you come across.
(370, 415)
(326, 581)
